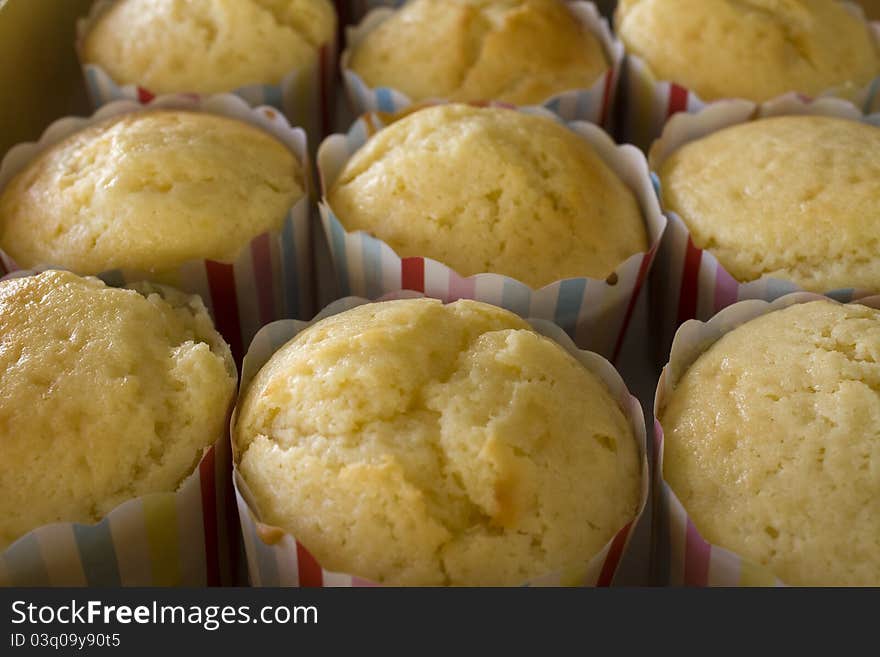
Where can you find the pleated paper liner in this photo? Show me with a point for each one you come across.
(275, 558)
(682, 556)
(688, 282)
(305, 96)
(595, 313)
(644, 104)
(272, 276)
(183, 538)
(593, 103)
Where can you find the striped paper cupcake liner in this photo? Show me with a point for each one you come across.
(645, 104)
(682, 556)
(593, 104)
(272, 276)
(276, 558)
(305, 96)
(688, 282)
(595, 313)
(183, 538)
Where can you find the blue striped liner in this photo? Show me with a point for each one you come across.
(24, 562)
(516, 297)
(272, 96)
(778, 288)
(337, 239)
(289, 270)
(94, 85)
(568, 305)
(582, 104)
(97, 554)
(873, 90)
(372, 258)
(385, 100)
(844, 295)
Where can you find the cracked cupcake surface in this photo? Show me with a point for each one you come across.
(791, 197)
(772, 443)
(516, 51)
(209, 46)
(491, 190)
(753, 49)
(412, 443)
(108, 394)
(149, 191)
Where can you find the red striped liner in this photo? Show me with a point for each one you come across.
(687, 305)
(644, 268)
(412, 274)
(678, 100)
(221, 280)
(209, 518)
(612, 559)
(607, 97)
(310, 573)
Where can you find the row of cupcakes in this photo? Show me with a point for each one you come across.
(667, 56)
(510, 207)
(403, 442)
(407, 442)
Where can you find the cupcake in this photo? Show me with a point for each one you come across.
(770, 445)
(522, 52)
(109, 395)
(491, 190)
(213, 204)
(755, 50)
(790, 197)
(271, 51)
(149, 191)
(759, 208)
(411, 443)
(511, 198)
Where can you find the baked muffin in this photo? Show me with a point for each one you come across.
(792, 197)
(752, 49)
(771, 443)
(491, 190)
(149, 191)
(516, 51)
(208, 46)
(412, 443)
(108, 394)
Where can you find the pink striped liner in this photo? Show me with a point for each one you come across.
(688, 282)
(593, 103)
(275, 558)
(272, 276)
(595, 313)
(645, 104)
(305, 96)
(682, 556)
